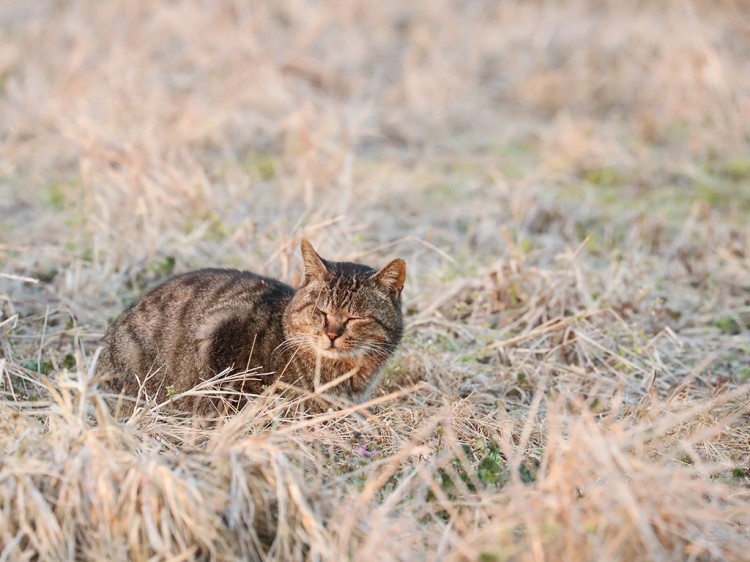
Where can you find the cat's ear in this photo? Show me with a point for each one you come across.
(315, 267)
(392, 276)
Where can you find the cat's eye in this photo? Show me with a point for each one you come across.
(322, 313)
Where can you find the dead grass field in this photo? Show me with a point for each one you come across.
(569, 183)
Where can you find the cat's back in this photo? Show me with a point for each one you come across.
(167, 319)
(204, 290)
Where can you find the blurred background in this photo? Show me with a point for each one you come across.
(166, 122)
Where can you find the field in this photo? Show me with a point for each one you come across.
(569, 183)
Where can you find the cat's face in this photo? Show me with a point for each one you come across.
(344, 310)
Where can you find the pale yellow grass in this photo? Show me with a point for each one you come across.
(569, 184)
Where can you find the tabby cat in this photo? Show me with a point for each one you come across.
(343, 323)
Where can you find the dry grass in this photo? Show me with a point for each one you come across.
(569, 184)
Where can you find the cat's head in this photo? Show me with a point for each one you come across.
(344, 309)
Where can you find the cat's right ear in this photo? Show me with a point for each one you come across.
(392, 276)
(315, 267)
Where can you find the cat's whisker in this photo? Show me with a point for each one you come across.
(289, 343)
(373, 348)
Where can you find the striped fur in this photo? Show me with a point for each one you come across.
(202, 323)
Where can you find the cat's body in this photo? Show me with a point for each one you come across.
(345, 319)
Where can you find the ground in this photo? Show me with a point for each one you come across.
(569, 184)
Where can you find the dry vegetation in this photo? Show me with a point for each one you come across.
(569, 183)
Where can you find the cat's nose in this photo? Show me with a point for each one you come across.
(334, 330)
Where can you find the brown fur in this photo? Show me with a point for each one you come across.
(199, 324)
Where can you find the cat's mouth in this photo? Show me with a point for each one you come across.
(331, 353)
(337, 352)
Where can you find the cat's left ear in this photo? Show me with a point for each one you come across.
(315, 267)
(392, 276)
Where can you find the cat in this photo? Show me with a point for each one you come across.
(343, 322)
